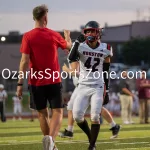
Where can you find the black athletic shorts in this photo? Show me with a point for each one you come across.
(40, 96)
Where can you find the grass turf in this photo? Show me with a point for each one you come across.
(26, 135)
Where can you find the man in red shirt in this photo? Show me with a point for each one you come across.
(39, 52)
(143, 86)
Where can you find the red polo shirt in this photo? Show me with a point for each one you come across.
(144, 92)
(42, 45)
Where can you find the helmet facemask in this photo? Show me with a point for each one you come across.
(92, 34)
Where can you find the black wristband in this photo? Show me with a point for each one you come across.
(105, 73)
(19, 84)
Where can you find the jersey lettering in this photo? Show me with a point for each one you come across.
(88, 64)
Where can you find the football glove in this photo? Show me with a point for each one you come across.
(80, 38)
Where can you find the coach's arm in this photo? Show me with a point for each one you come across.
(24, 64)
(68, 39)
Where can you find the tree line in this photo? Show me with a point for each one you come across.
(136, 50)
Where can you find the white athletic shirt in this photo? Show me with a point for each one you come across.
(91, 62)
(3, 95)
(16, 100)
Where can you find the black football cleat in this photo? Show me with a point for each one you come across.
(91, 148)
(66, 134)
(115, 130)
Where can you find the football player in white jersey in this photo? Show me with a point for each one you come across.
(3, 97)
(93, 57)
(104, 113)
(17, 107)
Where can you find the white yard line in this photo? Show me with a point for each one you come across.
(132, 143)
(134, 137)
(15, 142)
(129, 148)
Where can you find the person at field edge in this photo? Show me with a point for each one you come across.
(126, 99)
(17, 108)
(39, 52)
(3, 97)
(143, 86)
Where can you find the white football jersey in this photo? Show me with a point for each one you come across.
(91, 63)
(3, 95)
(16, 100)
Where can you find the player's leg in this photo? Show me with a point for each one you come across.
(20, 112)
(15, 113)
(69, 130)
(108, 117)
(80, 106)
(115, 128)
(70, 121)
(70, 114)
(1, 111)
(96, 106)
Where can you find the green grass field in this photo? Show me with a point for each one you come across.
(25, 135)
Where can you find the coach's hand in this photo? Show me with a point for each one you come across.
(80, 38)
(106, 99)
(66, 33)
(19, 92)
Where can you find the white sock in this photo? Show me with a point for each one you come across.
(52, 143)
(70, 128)
(51, 138)
(113, 123)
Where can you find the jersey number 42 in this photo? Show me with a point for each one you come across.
(88, 65)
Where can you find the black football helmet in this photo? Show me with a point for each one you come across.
(92, 25)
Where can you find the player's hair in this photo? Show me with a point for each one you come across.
(39, 12)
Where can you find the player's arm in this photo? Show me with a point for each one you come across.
(73, 56)
(74, 53)
(73, 69)
(106, 66)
